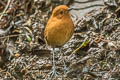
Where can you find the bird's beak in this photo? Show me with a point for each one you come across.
(69, 9)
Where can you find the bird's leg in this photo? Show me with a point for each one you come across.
(65, 67)
(53, 72)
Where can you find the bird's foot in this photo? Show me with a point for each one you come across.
(65, 70)
(53, 73)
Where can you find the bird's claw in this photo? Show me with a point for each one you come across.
(53, 73)
(65, 70)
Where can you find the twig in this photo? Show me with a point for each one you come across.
(75, 8)
(11, 36)
(8, 3)
(95, 24)
(2, 3)
(83, 2)
(86, 41)
(85, 58)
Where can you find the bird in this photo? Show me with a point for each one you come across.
(59, 29)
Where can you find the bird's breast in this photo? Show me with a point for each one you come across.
(58, 32)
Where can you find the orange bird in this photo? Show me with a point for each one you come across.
(59, 30)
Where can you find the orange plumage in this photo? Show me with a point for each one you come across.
(59, 28)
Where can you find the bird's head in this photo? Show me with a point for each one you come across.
(61, 12)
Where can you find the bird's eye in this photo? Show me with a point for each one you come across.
(61, 12)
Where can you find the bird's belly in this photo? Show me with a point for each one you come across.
(57, 39)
